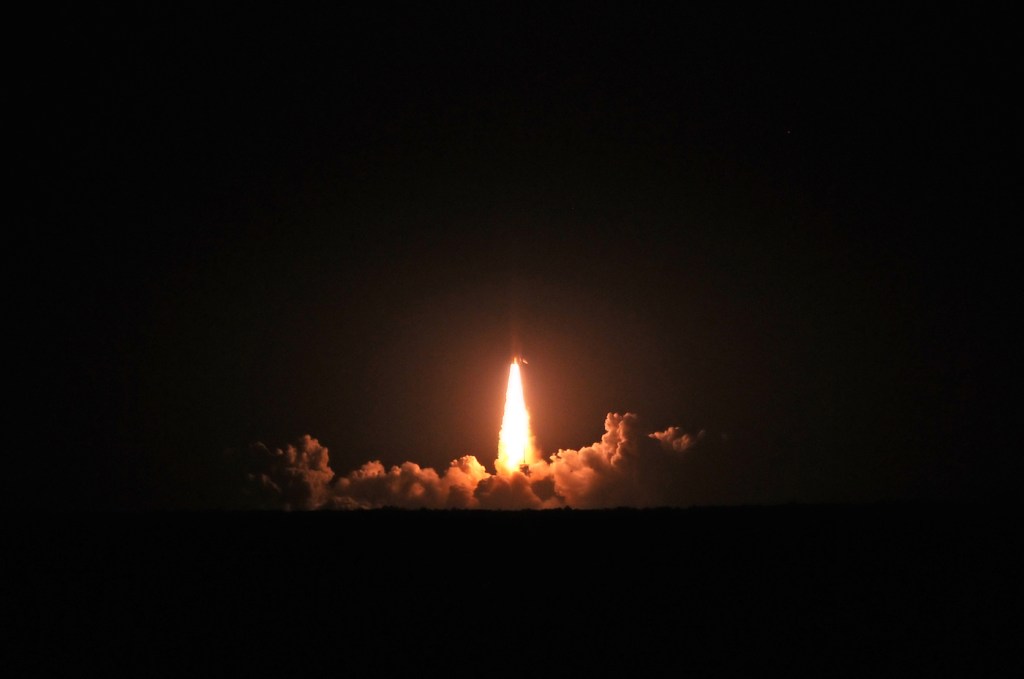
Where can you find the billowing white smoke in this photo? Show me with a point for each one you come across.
(626, 468)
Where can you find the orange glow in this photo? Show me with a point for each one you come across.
(515, 441)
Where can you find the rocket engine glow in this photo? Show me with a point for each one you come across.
(515, 441)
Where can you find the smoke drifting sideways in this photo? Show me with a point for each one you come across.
(626, 468)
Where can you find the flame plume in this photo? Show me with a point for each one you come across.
(515, 441)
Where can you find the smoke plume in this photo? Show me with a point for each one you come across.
(626, 468)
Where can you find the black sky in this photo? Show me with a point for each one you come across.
(792, 230)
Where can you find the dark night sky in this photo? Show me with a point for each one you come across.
(788, 229)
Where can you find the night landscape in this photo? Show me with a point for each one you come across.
(627, 327)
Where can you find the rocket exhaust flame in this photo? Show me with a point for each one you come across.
(515, 441)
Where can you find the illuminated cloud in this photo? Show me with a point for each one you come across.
(294, 478)
(626, 468)
(410, 486)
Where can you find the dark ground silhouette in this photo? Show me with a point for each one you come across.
(888, 587)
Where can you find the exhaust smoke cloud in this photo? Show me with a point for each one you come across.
(625, 468)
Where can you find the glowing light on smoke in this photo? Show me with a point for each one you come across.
(515, 442)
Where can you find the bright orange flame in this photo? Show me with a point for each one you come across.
(515, 442)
